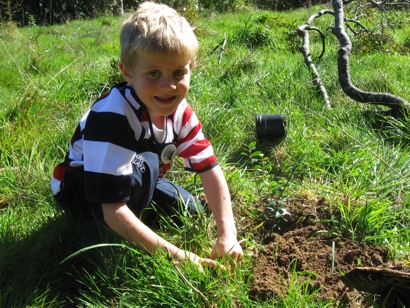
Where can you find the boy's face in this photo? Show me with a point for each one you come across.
(160, 82)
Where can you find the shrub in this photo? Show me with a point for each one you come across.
(43, 12)
(253, 34)
(283, 5)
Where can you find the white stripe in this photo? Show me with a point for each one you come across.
(103, 157)
(191, 124)
(55, 186)
(76, 150)
(201, 156)
(185, 145)
(178, 115)
(193, 121)
(114, 103)
(131, 99)
(84, 119)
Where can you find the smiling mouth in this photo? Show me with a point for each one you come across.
(165, 99)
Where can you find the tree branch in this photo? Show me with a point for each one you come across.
(394, 102)
(303, 32)
(222, 45)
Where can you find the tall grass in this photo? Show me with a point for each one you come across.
(50, 76)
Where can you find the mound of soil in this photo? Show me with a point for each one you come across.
(320, 260)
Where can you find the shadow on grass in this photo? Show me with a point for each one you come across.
(31, 272)
(392, 127)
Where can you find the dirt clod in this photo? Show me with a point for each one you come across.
(300, 251)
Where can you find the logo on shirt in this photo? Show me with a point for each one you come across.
(168, 153)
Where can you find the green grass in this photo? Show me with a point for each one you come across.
(51, 75)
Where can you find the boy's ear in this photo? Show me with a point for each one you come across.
(125, 73)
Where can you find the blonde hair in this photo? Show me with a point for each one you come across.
(156, 29)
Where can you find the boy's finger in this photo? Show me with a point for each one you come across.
(210, 263)
(207, 262)
(240, 261)
(213, 264)
(214, 254)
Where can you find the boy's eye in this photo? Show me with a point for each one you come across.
(179, 73)
(154, 74)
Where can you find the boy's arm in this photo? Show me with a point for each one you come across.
(217, 194)
(122, 220)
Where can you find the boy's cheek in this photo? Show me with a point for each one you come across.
(185, 84)
(145, 84)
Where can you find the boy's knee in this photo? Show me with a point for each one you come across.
(170, 194)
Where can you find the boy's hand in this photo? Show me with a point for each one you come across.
(229, 248)
(199, 261)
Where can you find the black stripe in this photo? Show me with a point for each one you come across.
(110, 127)
(106, 188)
(77, 134)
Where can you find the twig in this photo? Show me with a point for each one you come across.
(222, 48)
(395, 103)
(222, 45)
(322, 36)
(175, 264)
(216, 47)
(64, 68)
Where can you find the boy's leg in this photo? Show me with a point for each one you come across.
(170, 197)
(72, 196)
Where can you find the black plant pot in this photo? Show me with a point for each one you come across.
(271, 127)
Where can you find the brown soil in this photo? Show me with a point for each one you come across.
(318, 258)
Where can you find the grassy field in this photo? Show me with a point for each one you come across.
(351, 155)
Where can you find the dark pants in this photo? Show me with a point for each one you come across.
(149, 196)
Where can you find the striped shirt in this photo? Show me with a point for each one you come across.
(109, 135)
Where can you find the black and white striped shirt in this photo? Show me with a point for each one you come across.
(108, 137)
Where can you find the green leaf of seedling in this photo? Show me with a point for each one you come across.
(272, 203)
(257, 153)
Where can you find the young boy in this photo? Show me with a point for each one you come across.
(124, 144)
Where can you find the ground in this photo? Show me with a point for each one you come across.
(301, 245)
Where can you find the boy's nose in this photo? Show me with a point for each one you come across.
(167, 82)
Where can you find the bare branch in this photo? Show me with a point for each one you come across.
(303, 32)
(222, 44)
(222, 48)
(322, 36)
(386, 3)
(394, 102)
(356, 22)
(358, 8)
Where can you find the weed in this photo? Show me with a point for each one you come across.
(114, 76)
(253, 34)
